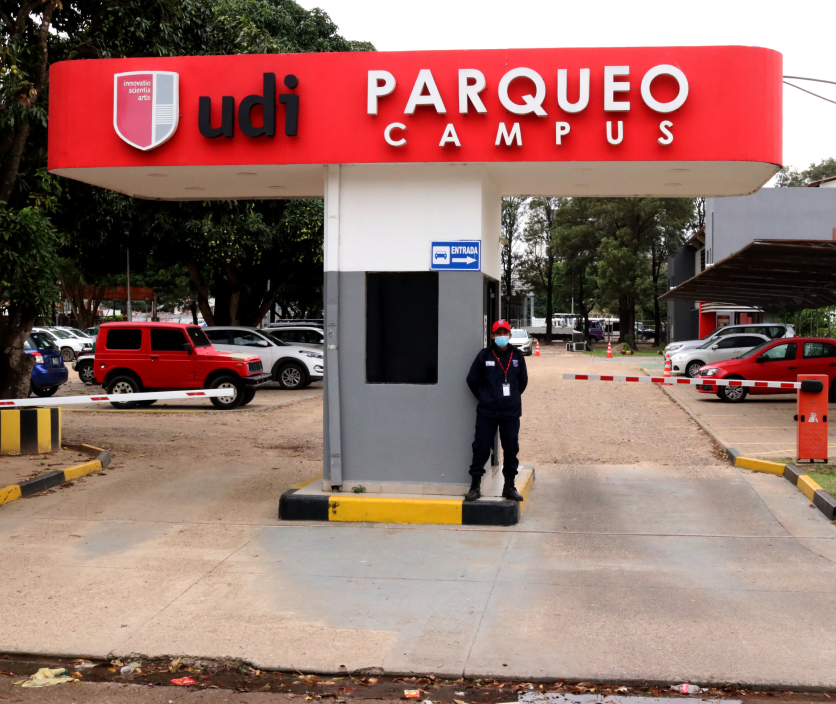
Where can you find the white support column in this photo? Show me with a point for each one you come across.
(333, 463)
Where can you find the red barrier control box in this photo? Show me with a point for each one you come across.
(811, 440)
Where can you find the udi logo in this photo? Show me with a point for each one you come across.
(146, 107)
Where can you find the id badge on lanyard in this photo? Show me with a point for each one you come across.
(506, 387)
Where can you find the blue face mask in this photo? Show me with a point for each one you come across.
(501, 341)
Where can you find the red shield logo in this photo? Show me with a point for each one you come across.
(146, 107)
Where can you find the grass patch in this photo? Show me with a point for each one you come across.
(826, 477)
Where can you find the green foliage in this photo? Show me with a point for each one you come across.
(28, 262)
(789, 177)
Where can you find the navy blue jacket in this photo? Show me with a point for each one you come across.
(486, 378)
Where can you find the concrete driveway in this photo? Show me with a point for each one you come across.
(676, 568)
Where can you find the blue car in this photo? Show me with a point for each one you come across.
(49, 371)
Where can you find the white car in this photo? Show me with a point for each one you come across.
(772, 330)
(714, 350)
(70, 345)
(293, 366)
(75, 332)
(521, 340)
(302, 335)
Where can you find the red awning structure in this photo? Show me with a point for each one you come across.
(774, 275)
(120, 293)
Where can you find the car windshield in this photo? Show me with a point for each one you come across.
(39, 341)
(275, 339)
(708, 344)
(61, 334)
(80, 334)
(198, 337)
(519, 333)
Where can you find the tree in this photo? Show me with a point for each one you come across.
(628, 226)
(28, 270)
(541, 251)
(789, 177)
(576, 242)
(513, 213)
(36, 33)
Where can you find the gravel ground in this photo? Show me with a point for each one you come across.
(567, 424)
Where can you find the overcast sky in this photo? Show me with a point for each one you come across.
(801, 31)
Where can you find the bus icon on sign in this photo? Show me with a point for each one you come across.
(441, 255)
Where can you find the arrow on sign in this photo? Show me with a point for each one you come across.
(464, 260)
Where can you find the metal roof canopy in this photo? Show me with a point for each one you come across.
(774, 275)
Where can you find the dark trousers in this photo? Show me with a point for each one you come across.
(509, 437)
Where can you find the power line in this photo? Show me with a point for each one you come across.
(809, 91)
(817, 80)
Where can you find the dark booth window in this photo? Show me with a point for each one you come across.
(402, 328)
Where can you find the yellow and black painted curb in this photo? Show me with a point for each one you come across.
(28, 431)
(823, 501)
(100, 459)
(344, 507)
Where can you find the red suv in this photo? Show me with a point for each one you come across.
(136, 357)
(774, 360)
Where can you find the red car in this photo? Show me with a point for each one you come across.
(136, 357)
(775, 360)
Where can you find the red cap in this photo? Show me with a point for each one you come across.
(501, 325)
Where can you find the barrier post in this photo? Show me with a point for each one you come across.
(811, 434)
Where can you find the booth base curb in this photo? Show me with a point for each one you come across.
(101, 460)
(311, 505)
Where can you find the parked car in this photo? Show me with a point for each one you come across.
(75, 332)
(774, 360)
(292, 366)
(70, 345)
(49, 371)
(772, 330)
(302, 335)
(521, 340)
(142, 356)
(83, 364)
(688, 362)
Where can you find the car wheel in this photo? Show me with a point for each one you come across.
(86, 373)
(831, 396)
(247, 395)
(693, 367)
(44, 391)
(235, 397)
(68, 354)
(145, 404)
(732, 394)
(123, 385)
(292, 376)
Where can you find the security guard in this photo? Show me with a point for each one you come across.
(497, 379)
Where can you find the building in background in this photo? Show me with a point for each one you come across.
(730, 225)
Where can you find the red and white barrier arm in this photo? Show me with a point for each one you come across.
(700, 381)
(111, 398)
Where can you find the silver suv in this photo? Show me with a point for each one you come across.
(308, 336)
(772, 330)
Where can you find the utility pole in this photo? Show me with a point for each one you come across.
(127, 225)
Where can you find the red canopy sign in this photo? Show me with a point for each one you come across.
(681, 108)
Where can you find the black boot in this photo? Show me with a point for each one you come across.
(509, 491)
(475, 490)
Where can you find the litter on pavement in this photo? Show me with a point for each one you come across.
(183, 681)
(45, 677)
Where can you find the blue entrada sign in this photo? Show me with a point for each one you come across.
(465, 254)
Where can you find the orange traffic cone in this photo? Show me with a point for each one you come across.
(609, 349)
(667, 373)
(537, 351)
